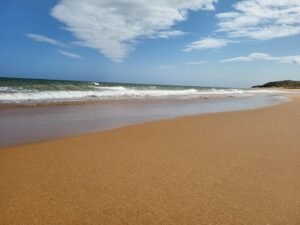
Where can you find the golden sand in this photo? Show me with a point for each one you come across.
(236, 168)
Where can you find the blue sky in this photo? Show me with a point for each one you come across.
(190, 42)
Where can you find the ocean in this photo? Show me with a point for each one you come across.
(35, 91)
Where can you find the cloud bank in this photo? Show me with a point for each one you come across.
(261, 19)
(115, 26)
(253, 20)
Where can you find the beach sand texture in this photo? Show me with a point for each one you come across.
(235, 168)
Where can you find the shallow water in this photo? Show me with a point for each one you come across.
(31, 124)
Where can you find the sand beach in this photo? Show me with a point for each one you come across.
(221, 168)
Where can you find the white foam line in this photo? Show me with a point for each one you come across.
(121, 92)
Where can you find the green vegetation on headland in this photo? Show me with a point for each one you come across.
(280, 84)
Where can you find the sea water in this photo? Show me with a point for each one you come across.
(33, 91)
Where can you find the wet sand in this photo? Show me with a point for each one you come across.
(24, 125)
(228, 168)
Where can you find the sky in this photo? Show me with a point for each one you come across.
(222, 43)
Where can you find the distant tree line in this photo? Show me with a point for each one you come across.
(280, 84)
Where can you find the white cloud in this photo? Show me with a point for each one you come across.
(70, 54)
(114, 26)
(265, 57)
(207, 43)
(261, 19)
(196, 62)
(169, 34)
(41, 38)
(252, 57)
(290, 59)
(238, 59)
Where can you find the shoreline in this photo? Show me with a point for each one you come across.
(274, 105)
(288, 99)
(24, 125)
(237, 167)
(96, 100)
(104, 101)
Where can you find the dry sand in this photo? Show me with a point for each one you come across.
(227, 168)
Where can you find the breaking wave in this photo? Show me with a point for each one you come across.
(24, 91)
